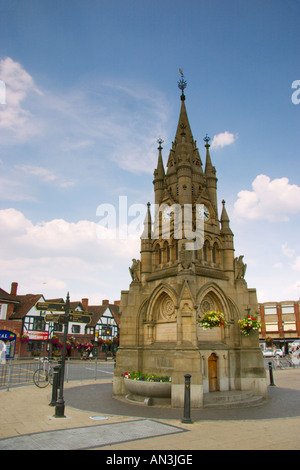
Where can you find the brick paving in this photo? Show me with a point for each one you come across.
(274, 425)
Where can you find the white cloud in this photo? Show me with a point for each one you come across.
(273, 200)
(122, 122)
(44, 174)
(223, 139)
(12, 189)
(296, 264)
(17, 121)
(46, 257)
(60, 238)
(288, 252)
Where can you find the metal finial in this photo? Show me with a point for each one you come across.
(206, 140)
(160, 141)
(182, 82)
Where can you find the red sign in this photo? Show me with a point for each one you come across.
(38, 335)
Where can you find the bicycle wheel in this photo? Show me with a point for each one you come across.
(41, 378)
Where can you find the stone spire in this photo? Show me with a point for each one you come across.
(146, 245)
(228, 247)
(225, 229)
(209, 168)
(159, 175)
(210, 175)
(147, 233)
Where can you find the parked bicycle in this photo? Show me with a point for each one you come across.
(43, 376)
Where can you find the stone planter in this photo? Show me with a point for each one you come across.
(148, 393)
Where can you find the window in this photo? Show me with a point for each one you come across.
(75, 328)
(205, 252)
(158, 255)
(287, 309)
(289, 326)
(58, 327)
(34, 324)
(38, 324)
(214, 254)
(272, 326)
(271, 310)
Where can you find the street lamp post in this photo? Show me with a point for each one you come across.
(60, 404)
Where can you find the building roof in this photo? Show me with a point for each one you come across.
(5, 296)
(98, 310)
(26, 302)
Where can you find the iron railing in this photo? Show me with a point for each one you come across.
(20, 372)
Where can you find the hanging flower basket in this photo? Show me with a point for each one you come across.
(213, 319)
(24, 338)
(249, 323)
(54, 340)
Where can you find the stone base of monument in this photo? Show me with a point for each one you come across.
(148, 393)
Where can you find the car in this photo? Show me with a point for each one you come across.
(279, 352)
(269, 352)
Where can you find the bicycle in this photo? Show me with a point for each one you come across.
(43, 376)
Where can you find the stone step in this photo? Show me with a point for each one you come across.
(231, 399)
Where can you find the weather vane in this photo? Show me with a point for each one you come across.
(182, 82)
(206, 140)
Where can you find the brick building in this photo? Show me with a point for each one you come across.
(281, 322)
(27, 334)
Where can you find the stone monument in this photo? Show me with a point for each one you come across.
(187, 268)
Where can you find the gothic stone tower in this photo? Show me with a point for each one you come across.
(174, 285)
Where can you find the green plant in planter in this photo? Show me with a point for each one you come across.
(145, 377)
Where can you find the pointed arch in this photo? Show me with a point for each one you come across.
(211, 297)
(162, 291)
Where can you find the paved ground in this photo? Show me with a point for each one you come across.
(27, 420)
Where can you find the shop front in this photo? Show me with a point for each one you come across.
(10, 340)
(34, 343)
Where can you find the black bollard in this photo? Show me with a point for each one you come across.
(187, 399)
(271, 375)
(55, 384)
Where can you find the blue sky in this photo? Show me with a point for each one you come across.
(90, 87)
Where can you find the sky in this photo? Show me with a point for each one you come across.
(87, 87)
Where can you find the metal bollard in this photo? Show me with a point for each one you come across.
(187, 399)
(55, 384)
(271, 375)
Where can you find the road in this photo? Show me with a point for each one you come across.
(21, 372)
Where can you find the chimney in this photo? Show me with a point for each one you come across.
(14, 288)
(116, 302)
(105, 302)
(85, 304)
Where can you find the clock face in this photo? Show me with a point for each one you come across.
(203, 212)
(167, 214)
